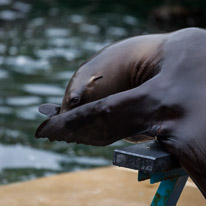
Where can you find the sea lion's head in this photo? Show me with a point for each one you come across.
(84, 87)
(100, 76)
(115, 68)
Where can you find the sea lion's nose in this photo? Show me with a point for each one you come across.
(49, 109)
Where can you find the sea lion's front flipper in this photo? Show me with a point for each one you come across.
(49, 110)
(107, 120)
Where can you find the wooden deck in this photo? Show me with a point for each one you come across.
(108, 186)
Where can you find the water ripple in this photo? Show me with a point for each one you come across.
(43, 89)
(28, 113)
(68, 54)
(93, 29)
(23, 7)
(3, 74)
(26, 64)
(18, 156)
(23, 101)
(54, 100)
(5, 2)
(66, 75)
(8, 15)
(57, 32)
(117, 31)
(95, 46)
(77, 19)
(5, 110)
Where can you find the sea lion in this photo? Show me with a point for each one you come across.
(165, 98)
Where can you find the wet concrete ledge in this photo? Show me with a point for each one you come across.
(110, 186)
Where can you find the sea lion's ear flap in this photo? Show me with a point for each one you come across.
(95, 78)
(49, 109)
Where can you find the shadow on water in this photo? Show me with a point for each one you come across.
(41, 45)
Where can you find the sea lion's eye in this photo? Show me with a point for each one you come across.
(74, 101)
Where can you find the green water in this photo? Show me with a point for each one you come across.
(41, 45)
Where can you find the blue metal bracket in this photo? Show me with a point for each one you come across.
(169, 191)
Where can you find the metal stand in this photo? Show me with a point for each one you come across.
(157, 165)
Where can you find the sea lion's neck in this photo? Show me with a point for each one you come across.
(146, 58)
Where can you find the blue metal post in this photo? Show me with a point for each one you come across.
(171, 185)
(169, 191)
